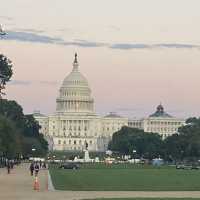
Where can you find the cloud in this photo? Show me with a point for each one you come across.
(31, 35)
(85, 43)
(19, 82)
(34, 36)
(176, 45)
(127, 46)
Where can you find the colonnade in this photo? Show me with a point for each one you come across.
(73, 105)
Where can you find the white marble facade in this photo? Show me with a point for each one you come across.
(159, 122)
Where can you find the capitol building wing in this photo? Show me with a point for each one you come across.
(75, 122)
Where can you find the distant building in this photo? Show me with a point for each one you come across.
(75, 122)
(159, 122)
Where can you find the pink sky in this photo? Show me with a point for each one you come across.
(139, 57)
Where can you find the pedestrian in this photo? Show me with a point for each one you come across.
(12, 164)
(32, 168)
(44, 165)
(40, 164)
(8, 166)
(36, 168)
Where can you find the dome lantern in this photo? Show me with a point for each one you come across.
(75, 63)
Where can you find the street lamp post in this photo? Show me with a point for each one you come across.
(33, 150)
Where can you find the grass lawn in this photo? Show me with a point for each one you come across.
(125, 178)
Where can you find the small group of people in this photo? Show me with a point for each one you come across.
(36, 166)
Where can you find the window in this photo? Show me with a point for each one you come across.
(59, 142)
(64, 142)
(75, 142)
(69, 141)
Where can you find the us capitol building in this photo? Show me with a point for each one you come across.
(75, 122)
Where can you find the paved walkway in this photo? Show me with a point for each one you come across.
(19, 186)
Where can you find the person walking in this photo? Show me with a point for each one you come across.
(32, 168)
(40, 164)
(44, 165)
(36, 168)
(8, 166)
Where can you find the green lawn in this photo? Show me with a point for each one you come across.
(125, 178)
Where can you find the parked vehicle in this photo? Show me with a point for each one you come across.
(187, 167)
(69, 166)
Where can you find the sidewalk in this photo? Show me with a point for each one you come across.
(19, 186)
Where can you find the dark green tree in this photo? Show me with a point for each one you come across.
(5, 72)
(186, 144)
(26, 126)
(147, 145)
(10, 145)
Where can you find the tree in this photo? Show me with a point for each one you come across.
(10, 144)
(5, 72)
(148, 145)
(26, 129)
(186, 144)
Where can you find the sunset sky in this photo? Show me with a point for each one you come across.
(134, 53)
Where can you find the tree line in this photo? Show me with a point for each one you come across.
(184, 145)
(19, 133)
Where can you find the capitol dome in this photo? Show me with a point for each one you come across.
(75, 93)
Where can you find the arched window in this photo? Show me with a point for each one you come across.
(75, 142)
